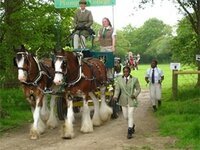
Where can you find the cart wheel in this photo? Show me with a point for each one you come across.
(61, 108)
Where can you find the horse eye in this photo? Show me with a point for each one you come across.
(26, 61)
(64, 63)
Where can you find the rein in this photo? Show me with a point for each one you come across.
(80, 56)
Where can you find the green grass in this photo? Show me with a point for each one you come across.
(181, 118)
(15, 109)
(178, 118)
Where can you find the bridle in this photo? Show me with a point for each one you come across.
(40, 71)
(60, 72)
(21, 68)
(79, 75)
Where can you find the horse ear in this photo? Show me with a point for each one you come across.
(62, 50)
(52, 63)
(23, 47)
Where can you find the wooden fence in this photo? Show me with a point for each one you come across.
(175, 74)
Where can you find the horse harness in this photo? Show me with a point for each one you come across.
(79, 56)
(41, 71)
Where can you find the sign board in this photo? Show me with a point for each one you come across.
(175, 66)
(75, 3)
(198, 57)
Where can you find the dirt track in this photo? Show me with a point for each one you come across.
(110, 136)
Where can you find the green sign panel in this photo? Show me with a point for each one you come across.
(75, 3)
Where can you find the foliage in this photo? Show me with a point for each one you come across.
(191, 10)
(15, 107)
(152, 40)
(122, 44)
(184, 49)
(36, 24)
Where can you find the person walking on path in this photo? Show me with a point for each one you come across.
(83, 20)
(154, 76)
(127, 88)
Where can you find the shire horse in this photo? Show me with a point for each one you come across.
(82, 77)
(35, 77)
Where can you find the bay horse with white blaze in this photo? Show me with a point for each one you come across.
(82, 77)
(35, 77)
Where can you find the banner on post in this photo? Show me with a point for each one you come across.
(75, 3)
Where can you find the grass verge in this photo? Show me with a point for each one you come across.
(14, 109)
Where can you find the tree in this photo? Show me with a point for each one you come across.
(36, 24)
(183, 43)
(191, 9)
(144, 40)
(122, 44)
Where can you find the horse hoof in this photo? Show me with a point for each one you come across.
(87, 130)
(67, 138)
(52, 126)
(34, 134)
(34, 137)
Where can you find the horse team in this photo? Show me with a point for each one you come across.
(71, 73)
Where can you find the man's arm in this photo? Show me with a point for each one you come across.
(147, 76)
(90, 21)
(147, 79)
(75, 20)
(117, 90)
(138, 89)
(162, 76)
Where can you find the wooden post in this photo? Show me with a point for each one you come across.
(175, 74)
(174, 84)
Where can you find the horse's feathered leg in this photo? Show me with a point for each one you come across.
(67, 129)
(52, 121)
(86, 125)
(96, 117)
(44, 109)
(38, 125)
(105, 110)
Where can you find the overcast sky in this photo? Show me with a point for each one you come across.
(123, 13)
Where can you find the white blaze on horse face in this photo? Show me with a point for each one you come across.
(22, 74)
(58, 76)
